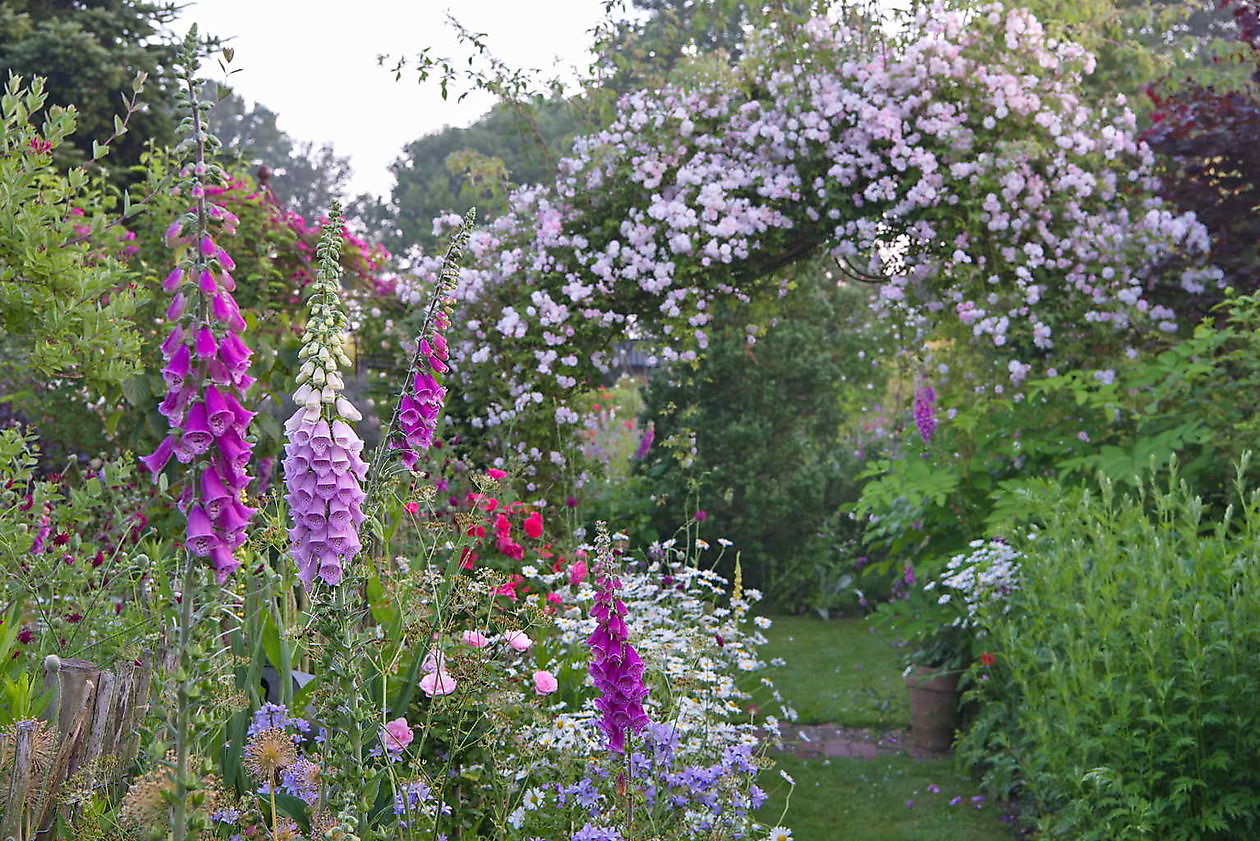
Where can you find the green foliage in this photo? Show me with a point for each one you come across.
(1130, 666)
(89, 51)
(757, 432)
(73, 558)
(65, 299)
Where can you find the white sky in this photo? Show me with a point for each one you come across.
(314, 64)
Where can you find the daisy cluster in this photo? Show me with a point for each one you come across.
(698, 758)
(959, 170)
(979, 579)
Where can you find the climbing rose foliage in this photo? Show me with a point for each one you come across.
(958, 170)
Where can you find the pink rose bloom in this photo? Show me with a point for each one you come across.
(544, 683)
(396, 735)
(476, 639)
(496, 473)
(518, 640)
(437, 683)
(577, 573)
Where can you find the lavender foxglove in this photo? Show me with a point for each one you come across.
(206, 367)
(323, 466)
(615, 666)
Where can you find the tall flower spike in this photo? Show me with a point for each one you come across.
(924, 412)
(423, 395)
(323, 466)
(615, 665)
(206, 362)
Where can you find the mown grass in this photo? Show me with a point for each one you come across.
(839, 672)
(868, 800)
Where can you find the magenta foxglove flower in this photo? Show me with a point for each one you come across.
(206, 377)
(421, 402)
(924, 412)
(615, 665)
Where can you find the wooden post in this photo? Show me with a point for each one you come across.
(11, 822)
(94, 715)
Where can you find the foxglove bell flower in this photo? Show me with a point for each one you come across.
(206, 376)
(423, 395)
(924, 412)
(324, 468)
(615, 665)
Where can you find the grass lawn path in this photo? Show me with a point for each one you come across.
(839, 673)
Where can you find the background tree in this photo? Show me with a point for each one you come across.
(772, 423)
(89, 51)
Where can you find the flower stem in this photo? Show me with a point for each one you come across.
(183, 700)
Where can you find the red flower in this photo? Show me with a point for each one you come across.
(987, 659)
(412, 508)
(468, 559)
(502, 526)
(534, 525)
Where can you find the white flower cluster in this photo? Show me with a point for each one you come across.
(979, 578)
(695, 633)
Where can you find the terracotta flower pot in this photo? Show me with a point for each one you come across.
(933, 708)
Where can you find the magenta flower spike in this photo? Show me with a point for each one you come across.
(206, 376)
(423, 396)
(615, 667)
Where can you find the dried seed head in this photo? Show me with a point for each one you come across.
(269, 752)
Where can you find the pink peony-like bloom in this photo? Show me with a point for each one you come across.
(396, 735)
(577, 573)
(437, 683)
(545, 682)
(534, 525)
(517, 640)
(496, 473)
(434, 661)
(476, 639)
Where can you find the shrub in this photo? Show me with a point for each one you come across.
(766, 422)
(1133, 661)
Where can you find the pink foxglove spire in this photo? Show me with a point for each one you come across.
(206, 372)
